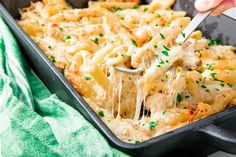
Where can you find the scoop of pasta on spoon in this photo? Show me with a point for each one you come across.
(196, 21)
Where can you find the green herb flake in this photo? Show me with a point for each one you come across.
(187, 96)
(50, 47)
(150, 39)
(157, 55)
(222, 84)
(155, 46)
(158, 66)
(101, 35)
(209, 66)
(152, 125)
(61, 28)
(95, 40)
(137, 142)
(101, 114)
(52, 58)
(135, 7)
(212, 42)
(217, 89)
(230, 85)
(161, 62)
(134, 42)
(166, 53)
(68, 37)
(203, 86)
(63, 70)
(162, 36)
(87, 78)
(145, 9)
(183, 34)
(179, 98)
(166, 48)
(117, 9)
(199, 71)
(213, 75)
(164, 112)
(207, 90)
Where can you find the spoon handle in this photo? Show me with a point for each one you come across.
(196, 21)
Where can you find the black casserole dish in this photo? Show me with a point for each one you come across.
(203, 131)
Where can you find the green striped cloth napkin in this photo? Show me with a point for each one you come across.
(34, 122)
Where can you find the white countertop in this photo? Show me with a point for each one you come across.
(231, 12)
(221, 154)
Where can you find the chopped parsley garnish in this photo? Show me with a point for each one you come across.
(166, 48)
(136, 142)
(145, 9)
(87, 78)
(203, 86)
(162, 36)
(199, 71)
(155, 46)
(213, 42)
(150, 39)
(95, 40)
(187, 96)
(101, 114)
(183, 34)
(63, 70)
(50, 47)
(158, 66)
(134, 42)
(166, 53)
(152, 125)
(209, 66)
(161, 62)
(213, 75)
(100, 34)
(135, 7)
(167, 61)
(61, 28)
(179, 98)
(164, 112)
(68, 37)
(117, 9)
(158, 15)
(52, 58)
(222, 84)
(230, 85)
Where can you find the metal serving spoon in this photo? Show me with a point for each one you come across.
(196, 21)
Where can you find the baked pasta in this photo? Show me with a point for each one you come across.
(177, 83)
